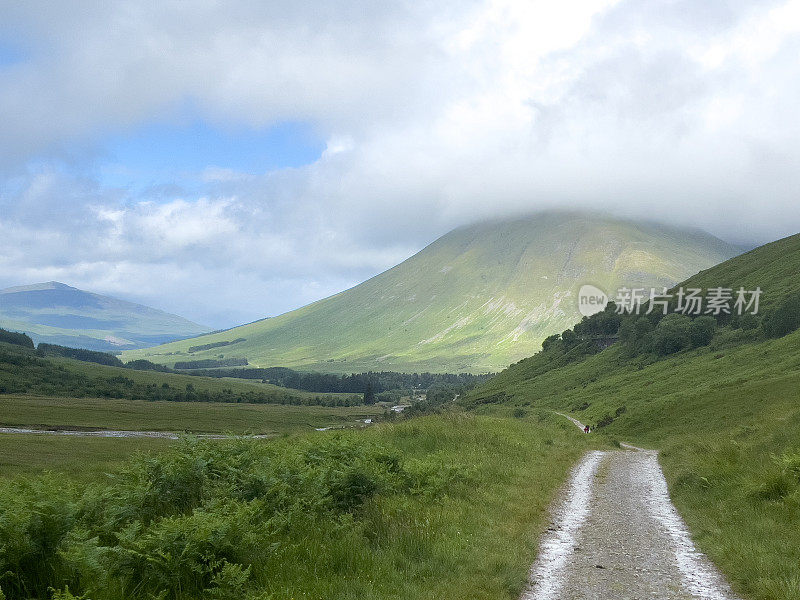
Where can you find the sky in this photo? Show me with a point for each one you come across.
(232, 161)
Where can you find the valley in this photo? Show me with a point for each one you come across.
(484, 300)
(452, 497)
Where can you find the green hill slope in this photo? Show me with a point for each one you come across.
(59, 314)
(726, 417)
(475, 300)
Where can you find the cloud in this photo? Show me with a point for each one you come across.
(435, 114)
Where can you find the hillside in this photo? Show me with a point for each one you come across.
(725, 415)
(59, 314)
(474, 300)
(25, 371)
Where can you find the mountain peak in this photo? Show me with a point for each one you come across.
(35, 287)
(58, 313)
(476, 299)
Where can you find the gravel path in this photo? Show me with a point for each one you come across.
(617, 536)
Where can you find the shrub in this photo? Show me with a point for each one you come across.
(673, 334)
(784, 319)
(202, 519)
(702, 331)
(604, 422)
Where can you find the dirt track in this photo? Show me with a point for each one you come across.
(615, 535)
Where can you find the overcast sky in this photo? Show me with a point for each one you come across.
(233, 160)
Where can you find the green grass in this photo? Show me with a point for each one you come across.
(79, 459)
(723, 417)
(30, 454)
(193, 417)
(475, 300)
(459, 505)
(212, 384)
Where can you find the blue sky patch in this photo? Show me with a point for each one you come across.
(156, 154)
(10, 54)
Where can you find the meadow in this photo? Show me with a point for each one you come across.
(86, 457)
(192, 417)
(445, 506)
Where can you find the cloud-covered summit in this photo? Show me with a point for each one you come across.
(430, 115)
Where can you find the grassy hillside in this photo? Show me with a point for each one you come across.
(726, 417)
(23, 371)
(475, 300)
(59, 314)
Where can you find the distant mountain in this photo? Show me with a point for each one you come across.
(59, 314)
(476, 299)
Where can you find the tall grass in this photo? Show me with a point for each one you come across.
(446, 507)
(727, 419)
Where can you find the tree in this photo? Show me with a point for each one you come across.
(702, 331)
(672, 334)
(369, 394)
(784, 319)
(551, 341)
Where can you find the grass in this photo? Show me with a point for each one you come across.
(212, 384)
(477, 543)
(21, 453)
(81, 460)
(193, 417)
(475, 300)
(458, 515)
(724, 417)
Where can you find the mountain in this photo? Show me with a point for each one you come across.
(476, 299)
(59, 314)
(725, 416)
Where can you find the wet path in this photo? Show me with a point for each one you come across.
(617, 536)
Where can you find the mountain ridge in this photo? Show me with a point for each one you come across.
(58, 313)
(475, 299)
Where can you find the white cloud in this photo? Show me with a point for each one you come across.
(434, 114)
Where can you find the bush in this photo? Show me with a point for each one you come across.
(784, 319)
(203, 519)
(673, 334)
(210, 363)
(145, 365)
(702, 331)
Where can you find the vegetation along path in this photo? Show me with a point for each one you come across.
(616, 535)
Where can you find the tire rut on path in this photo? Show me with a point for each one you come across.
(617, 536)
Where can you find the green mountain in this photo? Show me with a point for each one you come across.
(724, 412)
(476, 299)
(59, 314)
